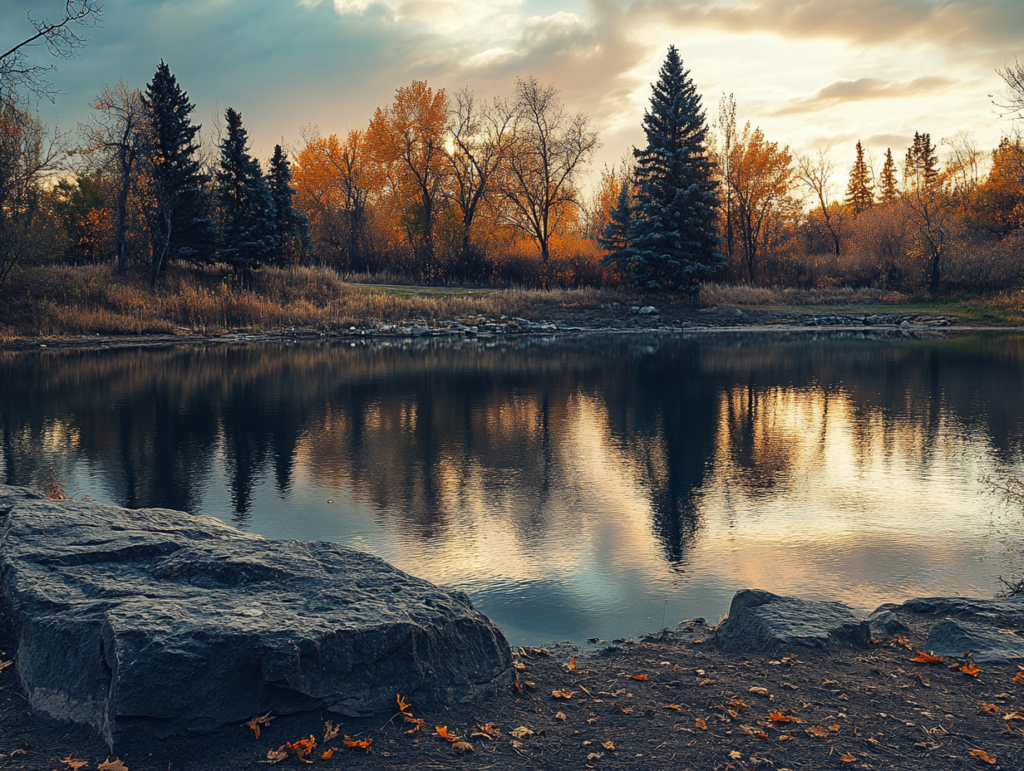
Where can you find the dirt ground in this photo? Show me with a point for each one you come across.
(665, 701)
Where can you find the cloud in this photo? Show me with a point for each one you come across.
(948, 23)
(863, 89)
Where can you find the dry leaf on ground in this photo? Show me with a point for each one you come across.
(72, 764)
(487, 730)
(984, 756)
(112, 765)
(522, 732)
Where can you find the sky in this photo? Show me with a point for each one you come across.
(811, 74)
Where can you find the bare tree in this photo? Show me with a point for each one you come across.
(480, 137)
(61, 38)
(119, 134)
(1011, 102)
(547, 152)
(963, 169)
(816, 173)
(727, 133)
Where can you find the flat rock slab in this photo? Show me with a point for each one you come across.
(766, 622)
(155, 622)
(1003, 611)
(987, 644)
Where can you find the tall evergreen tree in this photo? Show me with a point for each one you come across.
(673, 241)
(181, 227)
(617, 236)
(859, 193)
(290, 226)
(921, 166)
(888, 192)
(247, 238)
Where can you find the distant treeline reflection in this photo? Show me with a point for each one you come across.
(410, 428)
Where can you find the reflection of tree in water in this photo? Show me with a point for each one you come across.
(423, 434)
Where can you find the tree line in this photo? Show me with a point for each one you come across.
(449, 187)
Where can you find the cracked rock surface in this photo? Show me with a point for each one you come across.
(170, 623)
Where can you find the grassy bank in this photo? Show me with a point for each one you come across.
(70, 301)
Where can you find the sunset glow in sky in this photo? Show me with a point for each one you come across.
(811, 74)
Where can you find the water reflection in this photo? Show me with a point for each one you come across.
(575, 488)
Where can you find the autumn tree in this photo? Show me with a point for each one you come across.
(118, 134)
(180, 226)
(887, 186)
(762, 179)
(544, 158)
(859, 194)
(1001, 195)
(816, 173)
(248, 238)
(727, 135)
(408, 139)
(480, 134)
(921, 164)
(928, 206)
(963, 170)
(291, 228)
(673, 239)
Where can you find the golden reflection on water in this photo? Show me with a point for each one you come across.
(577, 490)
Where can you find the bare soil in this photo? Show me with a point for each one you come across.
(671, 700)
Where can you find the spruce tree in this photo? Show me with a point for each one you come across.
(181, 227)
(672, 234)
(617, 237)
(247, 238)
(921, 166)
(859, 194)
(290, 226)
(887, 180)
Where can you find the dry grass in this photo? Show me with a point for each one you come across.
(725, 294)
(68, 301)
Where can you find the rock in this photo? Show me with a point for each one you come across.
(155, 622)
(649, 310)
(904, 324)
(884, 623)
(419, 331)
(987, 645)
(767, 622)
(1006, 611)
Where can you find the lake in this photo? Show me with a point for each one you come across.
(576, 488)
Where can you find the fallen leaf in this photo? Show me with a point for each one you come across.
(901, 641)
(1019, 677)
(984, 756)
(639, 677)
(610, 746)
(992, 709)
(834, 727)
(818, 731)
(276, 756)
(970, 669)
(355, 744)
(737, 704)
(927, 658)
(624, 710)
(561, 716)
(256, 722)
(563, 694)
(594, 756)
(112, 765)
(327, 754)
(303, 747)
(778, 717)
(735, 755)
(72, 764)
(674, 707)
(760, 691)
(442, 731)
(462, 746)
(330, 731)
(786, 736)
(701, 724)
(522, 732)
(572, 663)
(418, 725)
(486, 730)
(404, 705)
(846, 757)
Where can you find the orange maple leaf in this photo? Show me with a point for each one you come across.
(984, 756)
(72, 764)
(404, 705)
(327, 754)
(970, 669)
(674, 707)
(927, 658)
(992, 709)
(442, 731)
(639, 677)
(572, 663)
(1019, 677)
(701, 724)
(357, 744)
(846, 757)
(779, 717)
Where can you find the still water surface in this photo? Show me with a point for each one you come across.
(574, 488)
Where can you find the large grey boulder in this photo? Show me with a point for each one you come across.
(172, 623)
(766, 622)
(1003, 611)
(986, 644)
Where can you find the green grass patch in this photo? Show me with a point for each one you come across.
(976, 311)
